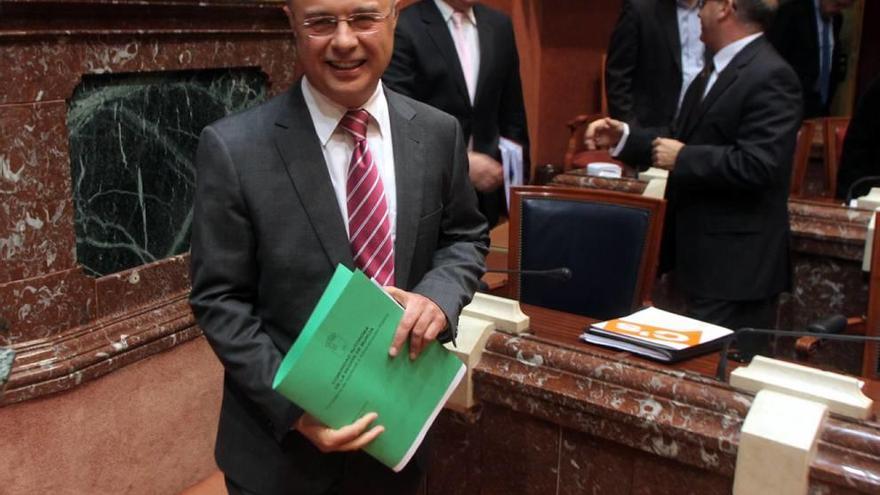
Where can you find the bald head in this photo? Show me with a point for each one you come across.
(759, 13)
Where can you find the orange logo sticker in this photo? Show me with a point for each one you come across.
(685, 337)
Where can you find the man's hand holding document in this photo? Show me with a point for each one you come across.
(341, 373)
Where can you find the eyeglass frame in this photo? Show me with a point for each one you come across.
(702, 3)
(375, 17)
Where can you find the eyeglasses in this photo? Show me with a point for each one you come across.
(702, 3)
(360, 23)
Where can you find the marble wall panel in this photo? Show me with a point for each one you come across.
(522, 453)
(33, 149)
(455, 450)
(824, 286)
(50, 69)
(588, 465)
(41, 307)
(658, 476)
(121, 292)
(133, 140)
(36, 235)
(47, 49)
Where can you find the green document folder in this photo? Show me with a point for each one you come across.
(339, 368)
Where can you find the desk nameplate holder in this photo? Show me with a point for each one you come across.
(656, 178)
(505, 313)
(478, 320)
(780, 434)
(869, 241)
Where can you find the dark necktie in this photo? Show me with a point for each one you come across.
(369, 228)
(692, 98)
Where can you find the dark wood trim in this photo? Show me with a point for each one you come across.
(802, 157)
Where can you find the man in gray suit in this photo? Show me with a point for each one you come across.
(277, 209)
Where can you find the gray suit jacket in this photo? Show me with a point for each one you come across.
(267, 235)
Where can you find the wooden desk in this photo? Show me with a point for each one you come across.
(564, 329)
(559, 414)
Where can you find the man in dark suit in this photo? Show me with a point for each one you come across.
(275, 213)
(729, 154)
(860, 157)
(654, 53)
(483, 92)
(807, 35)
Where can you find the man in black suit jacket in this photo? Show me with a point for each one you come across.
(729, 154)
(643, 73)
(795, 34)
(271, 224)
(861, 148)
(497, 108)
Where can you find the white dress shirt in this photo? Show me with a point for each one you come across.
(337, 145)
(725, 55)
(471, 38)
(692, 49)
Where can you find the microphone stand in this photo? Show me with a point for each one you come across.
(561, 273)
(721, 370)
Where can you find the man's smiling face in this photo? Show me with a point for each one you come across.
(346, 64)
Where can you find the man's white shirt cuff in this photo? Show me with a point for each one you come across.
(622, 143)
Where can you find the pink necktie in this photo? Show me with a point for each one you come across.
(464, 52)
(369, 228)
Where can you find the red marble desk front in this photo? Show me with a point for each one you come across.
(560, 416)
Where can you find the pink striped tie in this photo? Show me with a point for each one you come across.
(464, 52)
(369, 228)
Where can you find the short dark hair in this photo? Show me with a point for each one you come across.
(760, 12)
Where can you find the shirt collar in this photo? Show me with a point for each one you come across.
(326, 113)
(726, 54)
(446, 11)
(684, 4)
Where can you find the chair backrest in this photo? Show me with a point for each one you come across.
(834, 134)
(609, 240)
(802, 157)
(871, 366)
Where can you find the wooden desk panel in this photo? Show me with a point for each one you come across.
(563, 329)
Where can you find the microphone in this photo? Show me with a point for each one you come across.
(834, 324)
(562, 273)
(851, 189)
(825, 330)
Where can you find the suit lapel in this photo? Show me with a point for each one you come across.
(486, 34)
(725, 79)
(409, 169)
(667, 18)
(300, 150)
(439, 33)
